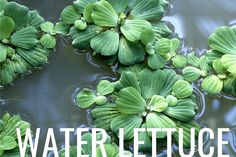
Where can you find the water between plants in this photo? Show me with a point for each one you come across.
(44, 98)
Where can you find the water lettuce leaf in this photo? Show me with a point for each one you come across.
(69, 15)
(106, 43)
(7, 26)
(103, 14)
(18, 13)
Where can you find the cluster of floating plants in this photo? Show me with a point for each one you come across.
(26, 40)
(129, 33)
(137, 100)
(111, 148)
(8, 136)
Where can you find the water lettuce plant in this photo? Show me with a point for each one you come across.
(8, 136)
(111, 148)
(112, 28)
(216, 68)
(146, 99)
(20, 48)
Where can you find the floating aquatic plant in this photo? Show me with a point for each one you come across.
(113, 28)
(149, 99)
(111, 148)
(20, 49)
(8, 136)
(217, 66)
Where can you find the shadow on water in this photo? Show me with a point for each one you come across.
(44, 98)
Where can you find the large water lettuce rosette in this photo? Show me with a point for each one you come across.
(23, 46)
(113, 28)
(147, 99)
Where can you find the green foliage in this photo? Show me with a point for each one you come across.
(21, 49)
(8, 135)
(114, 28)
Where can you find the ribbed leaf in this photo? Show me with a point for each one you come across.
(159, 120)
(19, 14)
(103, 115)
(85, 98)
(212, 84)
(143, 136)
(128, 79)
(6, 73)
(69, 15)
(47, 27)
(35, 19)
(161, 30)
(230, 85)
(186, 132)
(119, 5)
(212, 55)
(179, 61)
(218, 65)
(147, 10)
(81, 4)
(192, 74)
(87, 13)
(170, 79)
(229, 62)
(7, 26)
(128, 122)
(3, 53)
(48, 41)
(132, 29)
(130, 101)
(106, 43)
(156, 62)
(104, 15)
(223, 40)
(149, 84)
(182, 89)
(25, 38)
(133, 68)
(158, 104)
(35, 57)
(105, 87)
(183, 110)
(81, 39)
(130, 53)
(193, 60)
(62, 28)
(73, 152)
(147, 36)
(8, 143)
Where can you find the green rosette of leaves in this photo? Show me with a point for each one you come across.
(8, 135)
(146, 99)
(21, 49)
(111, 148)
(112, 28)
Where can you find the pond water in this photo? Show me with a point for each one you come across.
(44, 98)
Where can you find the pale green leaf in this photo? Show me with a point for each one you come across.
(130, 53)
(105, 87)
(104, 15)
(62, 28)
(7, 26)
(69, 15)
(128, 122)
(158, 104)
(80, 5)
(48, 41)
(3, 53)
(182, 89)
(192, 74)
(35, 19)
(229, 62)
(179, 61)
(47, 27)
(155, 61)
(132, 29)
(159, 121)
(8, 143)
(212, 84)
(106, 43)
(85, 98)
(130, 101)
(147, 36)
(119, 5)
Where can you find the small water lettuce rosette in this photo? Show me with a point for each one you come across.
(8, 135)
(21, 49)
(147, 99)
(111, 148)
(112, 28)
(217, 66)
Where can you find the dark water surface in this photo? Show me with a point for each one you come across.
(44, 98)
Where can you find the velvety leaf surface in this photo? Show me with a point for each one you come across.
(48, 41)
(128, 122)
(105, 87)
(106, 43)
(81, 4)
(119, 5)
(212, 84)
(18, 13)
(7, 26)
(85, 98)
(69, 15)
(130, 101)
